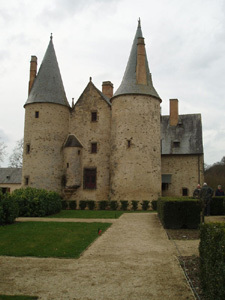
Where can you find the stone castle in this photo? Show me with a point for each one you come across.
(108, 146)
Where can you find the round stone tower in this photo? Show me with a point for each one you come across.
(46, 125)
(135, 135)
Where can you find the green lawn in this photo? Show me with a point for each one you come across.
(3, 297)
(88, 214)
(48, 239)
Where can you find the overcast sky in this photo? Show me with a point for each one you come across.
(185, 43)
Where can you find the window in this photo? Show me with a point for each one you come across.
(90, 179)
(128, 143)
(36, 114)
(184, 192)
(176, 144)
(26, 180)
(165, 186)
(93, 147)
(5, 190)
(67, 165)
(27, 148)
(78, 152)
(94, 116)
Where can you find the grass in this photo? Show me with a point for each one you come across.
(48, 239)
(88, 214)
(4, 297)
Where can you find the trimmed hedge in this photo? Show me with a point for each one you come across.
(124, 204)
(82, 204)
(113, 205)
(34, 202)
(212, 260)
(91, 204)
(134, 204)
(8, 209)
(217, 206)
(103, 204)
(154, 204)
(178, 213)
(145, 204)
(72, 204)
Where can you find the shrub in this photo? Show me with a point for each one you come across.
(72, 204)
(212, 260)
(216, 206)
(8, 209)
(91, 204)
(103, 205)
(124, 204)
(82, 204)
(134, 204)
(113, 205)
(64, 204)
(145, 204)
(34, 202)
(154, 204)
(178, 213)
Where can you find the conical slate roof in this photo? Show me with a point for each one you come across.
(129, 83)
(48, 86)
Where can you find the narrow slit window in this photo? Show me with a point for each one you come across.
(94, 116)
(67, 165)
(184, 192)
(93, 147)
(28, 149)
(128, 143)
(26, 179)
(36, 114)
(78, 152)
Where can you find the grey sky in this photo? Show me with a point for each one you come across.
(185, 42)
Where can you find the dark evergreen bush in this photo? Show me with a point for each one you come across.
(72, 204)
(8, 209)
(64, 204)
(103, 205)
(91, 204)
(178, 213)
(216, 206)
(212, 260)
(145, 204)
(124, 204)
(154, 204)
(134, 204)
(113, 205)
(82, 204)
(34, 202)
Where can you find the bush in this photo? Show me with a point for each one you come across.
(124, 204)
(154, 204)
(64, 204)
(178, 213)
(72, 204)
(34, 202)
(8, 209)
(216, 206)
(82, 204)
(113, 205)
(212, 260)
(134, 204)
(145, 204)
(103, 205)
(91, 204)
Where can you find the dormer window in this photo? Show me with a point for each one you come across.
(176, 144)
(94, 116)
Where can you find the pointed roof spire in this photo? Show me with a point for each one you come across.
(137, 78)
(48, 86)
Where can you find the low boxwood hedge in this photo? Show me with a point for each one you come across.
(178, 213)
(217, 206)
(212, 260)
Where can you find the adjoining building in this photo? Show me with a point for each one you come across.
(108, 146)
(10, 179)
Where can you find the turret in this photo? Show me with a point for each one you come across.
(135, 136)
(46, 125)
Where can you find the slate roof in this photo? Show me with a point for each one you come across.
(10, 175)
(48, 86)
(72, 141)
(185, 138)
(129, 83)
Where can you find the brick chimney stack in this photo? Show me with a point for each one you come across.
(33, 72)
(173, 112)
(107, 89)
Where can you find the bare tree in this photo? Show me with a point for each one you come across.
(2, 151)
(16, 158)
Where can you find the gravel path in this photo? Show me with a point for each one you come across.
(132, 260)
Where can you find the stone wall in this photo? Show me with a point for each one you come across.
(89, 132)
(43, 166)
(186, 170)
(135, 148)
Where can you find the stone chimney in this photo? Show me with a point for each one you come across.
(33, 72)
(174, 112)
(141, 75)
(107, 89)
